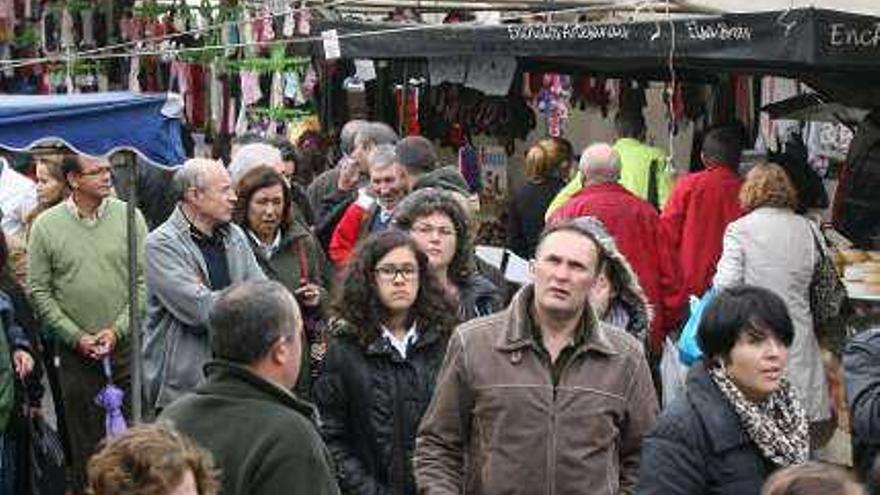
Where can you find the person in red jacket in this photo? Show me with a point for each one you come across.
(635, 226)
(701, 205)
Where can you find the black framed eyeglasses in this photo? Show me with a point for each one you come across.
(389, 273)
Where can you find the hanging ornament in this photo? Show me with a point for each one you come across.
(303, 20)
(87, 17)
(310, 82)
(291, 85)
(67, 29)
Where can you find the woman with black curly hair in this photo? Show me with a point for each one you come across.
(438, 223)
(392, 322)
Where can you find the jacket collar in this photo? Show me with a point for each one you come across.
(722, 169)
(233, 379)
(604, 188)
(518, 322)
(184, 226)
(714, 410)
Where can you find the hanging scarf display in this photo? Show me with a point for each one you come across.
(554, 102)
(778, 425)
(408, 110)
(470, 166)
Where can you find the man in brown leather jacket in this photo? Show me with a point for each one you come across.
(541, 398)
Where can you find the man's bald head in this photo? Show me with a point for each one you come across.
(600, 164)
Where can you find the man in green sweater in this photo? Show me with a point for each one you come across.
(262, 437)
(78, 278)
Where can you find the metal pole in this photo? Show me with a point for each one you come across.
(133, 320)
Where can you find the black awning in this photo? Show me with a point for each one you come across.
(797, 41)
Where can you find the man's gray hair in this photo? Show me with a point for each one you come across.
(348, 133)
(600, 163)
(248, 318)
(250, 156)
(374, 134)
(193, 173)
(382, 156)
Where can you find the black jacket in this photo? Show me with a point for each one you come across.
(861, 368)
(858, 205)
(526, 215)
(477, 296)
(262, 438)
(371, 401)
(698, 447)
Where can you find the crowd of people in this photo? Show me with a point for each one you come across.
(340, 336)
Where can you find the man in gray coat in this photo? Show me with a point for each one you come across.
(190, 258)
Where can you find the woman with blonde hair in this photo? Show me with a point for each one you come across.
(773, 247)
(548, 164)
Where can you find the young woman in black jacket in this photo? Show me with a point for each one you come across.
(739, 419)
(388, 341)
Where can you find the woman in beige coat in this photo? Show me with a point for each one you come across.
(773, 247)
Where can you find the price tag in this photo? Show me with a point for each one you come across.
(332, 50)
(365, 70)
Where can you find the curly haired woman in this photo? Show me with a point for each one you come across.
(387, 346)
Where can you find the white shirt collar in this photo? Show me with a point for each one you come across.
(401, 344)
(268, 250)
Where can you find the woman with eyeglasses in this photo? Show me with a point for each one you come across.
(438, 223)
(389, 338)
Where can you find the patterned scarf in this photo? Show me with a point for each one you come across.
(778, 425)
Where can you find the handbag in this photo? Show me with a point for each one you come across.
(827, 293)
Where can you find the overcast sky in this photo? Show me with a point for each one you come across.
(871, 7)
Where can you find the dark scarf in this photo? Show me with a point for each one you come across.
(777, 425)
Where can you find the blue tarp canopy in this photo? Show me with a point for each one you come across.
(96, 124)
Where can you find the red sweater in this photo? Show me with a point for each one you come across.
(635, 226)
(694, 219)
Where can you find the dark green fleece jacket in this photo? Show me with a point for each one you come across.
(262, 437)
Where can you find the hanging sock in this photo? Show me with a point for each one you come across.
(291, 85)
(250, 87)
(88, 27)
(241, 124)
(215, 97)
(310, 82)
(67, 29)
(276, 95)
(289, 26)
(134, 70)
(303, 20)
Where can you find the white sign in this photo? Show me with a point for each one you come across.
(365, 70)
(332, 50)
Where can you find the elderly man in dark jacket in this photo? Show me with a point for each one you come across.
(262, 437)
(541, 398)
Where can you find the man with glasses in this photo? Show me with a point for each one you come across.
(262, 438)
(190, 258)
(540, 398)
(78, 277)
